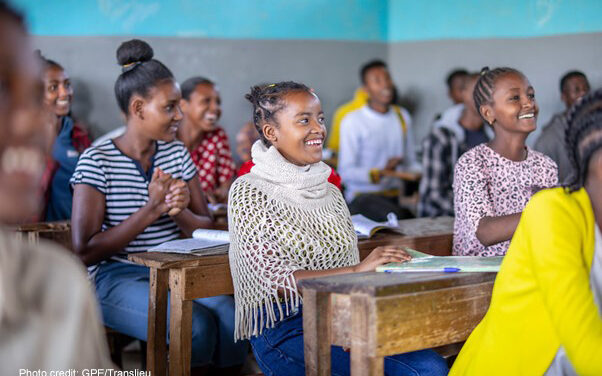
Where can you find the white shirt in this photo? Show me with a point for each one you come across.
(368, 140)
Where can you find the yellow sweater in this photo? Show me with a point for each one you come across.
(541, 298)
(360, 98)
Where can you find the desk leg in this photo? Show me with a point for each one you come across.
(156, 350)
(180, 327)
(363, 338)
(316, 332)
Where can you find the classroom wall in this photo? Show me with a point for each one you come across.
(322, 43)
(330, 67)
(410, 20)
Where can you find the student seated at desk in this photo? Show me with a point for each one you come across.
(494, 181)
(459, 129)
(376, 139)
(48, 314)
(206, 141)
(71, 139)
(140, 190)
(545, 316)
(288, 223)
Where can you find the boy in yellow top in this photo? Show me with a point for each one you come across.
(545, 313)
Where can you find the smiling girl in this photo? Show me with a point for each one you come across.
(71, 139)
(140, 190)
(494, 181)
(288, 223)
(207, 142)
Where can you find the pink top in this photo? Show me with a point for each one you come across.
(489, 185)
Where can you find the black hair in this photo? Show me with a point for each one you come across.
(453, 75)
(583, 137)
(10, 12)
(268, 99)
(567, 76)
(140, 72)
(47, 63)
(483, 90)
(368, 66)
(189, 86)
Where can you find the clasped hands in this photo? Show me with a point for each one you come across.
(166, 194)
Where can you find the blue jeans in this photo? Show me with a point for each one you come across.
(122, 291)
(279, 352)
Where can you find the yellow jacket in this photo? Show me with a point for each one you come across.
(541, 297)
(360, 98)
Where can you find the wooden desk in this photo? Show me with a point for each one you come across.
(381, 314)
(59, 232)
(190, 277)
(430, 235)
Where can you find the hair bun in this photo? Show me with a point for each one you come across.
(134, 51)
(484, 70)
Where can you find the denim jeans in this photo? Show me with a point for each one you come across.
(122, 291)
(279, 352)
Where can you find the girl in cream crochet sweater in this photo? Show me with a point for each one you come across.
(288, 223)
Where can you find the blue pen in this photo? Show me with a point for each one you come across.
(444, 270)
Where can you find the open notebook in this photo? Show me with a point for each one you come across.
(421, 262)
(365, 227)
(203, 242)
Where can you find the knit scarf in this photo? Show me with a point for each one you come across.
(282, 218)
(308, 182)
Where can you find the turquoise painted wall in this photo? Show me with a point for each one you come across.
(411, 20)
(356, 20)
(361, 20)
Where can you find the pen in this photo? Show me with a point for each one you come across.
(443, 270)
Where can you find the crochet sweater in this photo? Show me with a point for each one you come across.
(282, 218)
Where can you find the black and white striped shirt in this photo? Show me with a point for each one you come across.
(125, 186)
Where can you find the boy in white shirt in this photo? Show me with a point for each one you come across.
(375, 140)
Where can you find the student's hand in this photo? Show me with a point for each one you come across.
(178, 197)
(380, 256)
(158, 189)
(392, 163)
(221, 194)
(211, 197)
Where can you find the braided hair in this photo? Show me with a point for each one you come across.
(267, 100)
(583, 137)
(485, 86)
(140, 72)
(47, 63)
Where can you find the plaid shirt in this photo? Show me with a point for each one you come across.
(441, 150)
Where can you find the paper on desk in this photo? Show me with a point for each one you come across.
(464, 263)
(365, 227)
(204, 247)
(217, 235)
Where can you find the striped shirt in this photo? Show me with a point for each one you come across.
(124, 184)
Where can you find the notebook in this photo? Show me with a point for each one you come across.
(422, 262)
(366, 228)
(203, 242)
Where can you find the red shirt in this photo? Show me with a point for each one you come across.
(213, 160)
(334, 178)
